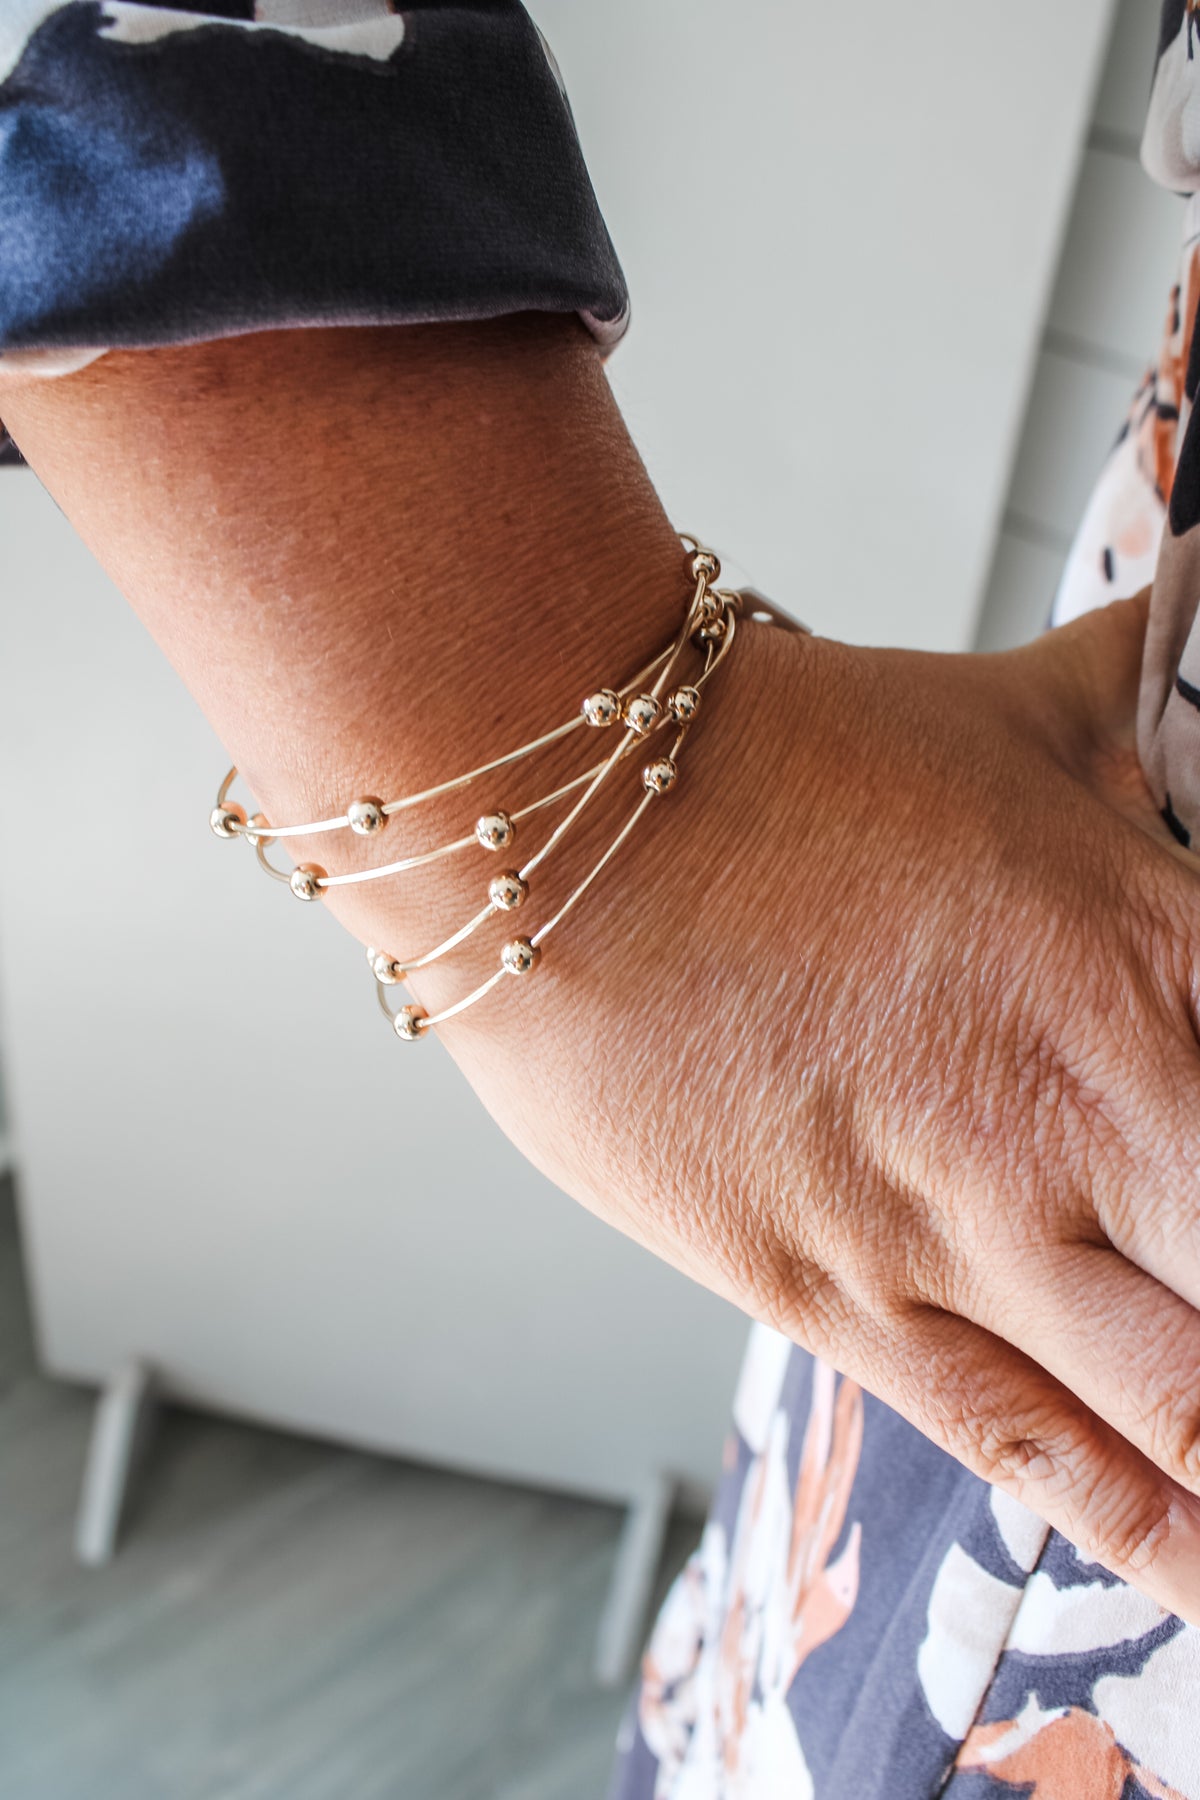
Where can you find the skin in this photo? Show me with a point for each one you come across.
(883, 1025)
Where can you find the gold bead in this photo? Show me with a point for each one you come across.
(641, 713)
(495, 831)
(258, 834)
(304, 880)
(507, 891)
(223, 819)
(684, 704)
(409, 1023)
(385, 968)
(366, 816)
(602, 707)
(706, 564)
(519, 956)
(660, 775)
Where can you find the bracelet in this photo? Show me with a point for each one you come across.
(652, 700)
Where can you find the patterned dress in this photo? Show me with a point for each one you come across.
(863, 1619)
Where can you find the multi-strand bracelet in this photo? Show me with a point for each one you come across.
(658, 698)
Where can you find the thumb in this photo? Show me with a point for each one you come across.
(1085, 679)
(1078, 691)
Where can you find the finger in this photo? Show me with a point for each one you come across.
(1010, 1422)
(1124, 1345)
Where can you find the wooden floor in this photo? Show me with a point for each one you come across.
(287, 1621)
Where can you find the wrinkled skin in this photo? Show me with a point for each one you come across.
(884, 1026)
(932, 1106)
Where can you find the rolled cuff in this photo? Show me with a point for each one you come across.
(169, 175)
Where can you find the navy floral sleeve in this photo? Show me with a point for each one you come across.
(179, 173)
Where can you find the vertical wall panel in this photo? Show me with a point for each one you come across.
(1025, 577)
(1125, 87)
(1075, 412)
(1119, 260)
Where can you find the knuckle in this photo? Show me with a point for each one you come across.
(1029, 1457)
(1043, 1120)
(1104, 1503)
(1125, 1530)
(795, 1293)
(1063, 1107)
(1169, 942)
(1173, 1431)
(1129, 1216)
(1036, 1452)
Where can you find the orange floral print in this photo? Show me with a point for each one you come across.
(742, 1620)
(1116, 547)
(1067, 1755)
(1160, 405)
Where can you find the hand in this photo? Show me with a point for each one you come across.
(884, 1028)
(886, 1031)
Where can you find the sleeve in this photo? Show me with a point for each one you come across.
(169, 174)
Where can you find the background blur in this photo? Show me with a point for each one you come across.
(339, 1455)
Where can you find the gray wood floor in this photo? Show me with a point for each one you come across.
(285, 1620)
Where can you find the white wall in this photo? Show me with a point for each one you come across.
(839, 225)
(1119, 259)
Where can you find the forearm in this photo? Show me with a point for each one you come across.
(884, 1028)
(376, 557)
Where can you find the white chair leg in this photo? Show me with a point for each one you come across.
(120, 1411)
(619, 1637)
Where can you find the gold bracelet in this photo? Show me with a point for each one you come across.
(709, 627)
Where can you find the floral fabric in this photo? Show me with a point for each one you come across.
(863, 1617)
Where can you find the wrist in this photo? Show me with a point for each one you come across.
(377, 557)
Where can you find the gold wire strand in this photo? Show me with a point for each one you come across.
(451, 943)
(260, 850)
(622, 750)
(713, 659)
(462, 843)
(425, 857)
(452, 1012)
(472, 925)
(543, 931)
(260, 836)
(685, 632)
(710, 624)
(538, 937)
(598, 770)
(342, 822)
(405, 965)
